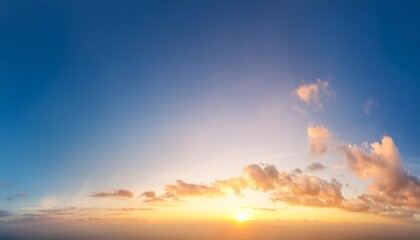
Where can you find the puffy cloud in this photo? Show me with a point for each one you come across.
(369, 104)
(314, 93)
(382, 163)
(152, 198)
(310, 191)
(292, 188)
(365, 203)
(262, 177)
(318, 139)
(122, 193)
(316, 166)
(148, 194)
(393, 192)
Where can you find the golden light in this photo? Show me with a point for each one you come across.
(242, 216)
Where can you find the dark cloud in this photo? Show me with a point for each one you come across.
(316, 166)
(29, 218)
(4, 213)
(58, 211)
(16, 196)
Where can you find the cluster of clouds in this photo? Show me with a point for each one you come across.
(392, 191)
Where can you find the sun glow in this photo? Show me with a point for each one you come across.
(242, 216)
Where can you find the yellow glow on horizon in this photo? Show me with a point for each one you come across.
(242, 216)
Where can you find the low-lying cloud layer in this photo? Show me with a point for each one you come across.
(393, 192)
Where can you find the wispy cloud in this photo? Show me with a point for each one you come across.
(16, 196)
(121, 193)
(369, 104)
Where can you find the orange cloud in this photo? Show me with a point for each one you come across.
(318, 138)
(393, 193)
(122, 193)
(313, 93)
(182, 189)
(391, 182)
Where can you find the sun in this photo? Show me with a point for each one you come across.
(242, 216)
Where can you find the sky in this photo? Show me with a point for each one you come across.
(234, 113)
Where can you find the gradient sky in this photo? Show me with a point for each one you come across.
(102, 96)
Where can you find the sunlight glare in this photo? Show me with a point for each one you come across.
(242, 216)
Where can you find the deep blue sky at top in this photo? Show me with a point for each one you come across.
(76, 76)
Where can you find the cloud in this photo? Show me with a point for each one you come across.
(316, 166)
(152, 198)
(16, 196)
(382, 163)
(134, 209)
(318, 138)
(121, 193)
(5, 185)
(291, 188)
(149, 194)
(394, 192)
(310, 191)
(4, 213)
(30, 218)
(261, 209)
(58, 211)
(369, 104)
(313, 94)
(182, 189)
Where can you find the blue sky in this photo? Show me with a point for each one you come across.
(120, 93)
